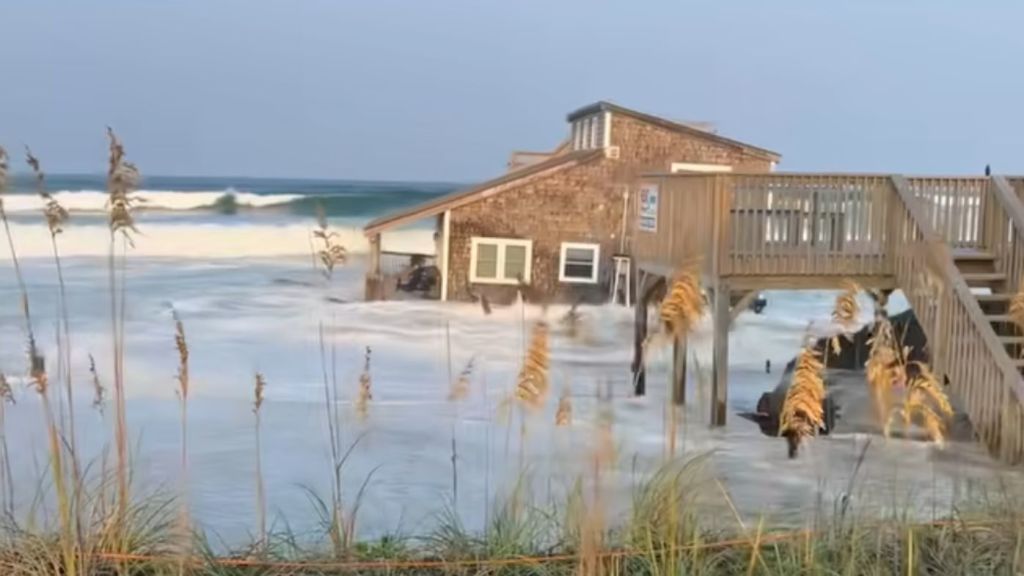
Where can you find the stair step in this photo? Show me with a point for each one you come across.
(1012, 339)
(999, 318)
(974, 255)
(984, 277)
(993, 297)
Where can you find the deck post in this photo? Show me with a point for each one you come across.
(679, 347)
(374, 281)
(720, 366)
(639, 339)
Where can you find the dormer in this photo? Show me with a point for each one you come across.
(590, 128)
(651, 140)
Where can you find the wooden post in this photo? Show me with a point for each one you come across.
(639, 338)
(374, 281)
(679, 370)
(720, 366)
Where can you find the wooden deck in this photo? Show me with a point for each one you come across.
(934, 238)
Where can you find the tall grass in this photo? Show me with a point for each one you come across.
(183, 387)
(122, 178)
(6, 475)
(259, 388)
(25, 309)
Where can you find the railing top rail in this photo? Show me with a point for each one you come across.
(793, 174)
(942, 260)
(1007, 197)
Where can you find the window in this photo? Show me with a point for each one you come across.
(589, 133)
(500, 260)
(579, 263)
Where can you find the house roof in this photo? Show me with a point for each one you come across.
(603, 106)
(473, 193)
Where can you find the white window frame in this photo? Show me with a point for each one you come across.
(502, 244)
(693, 167)
(566, 246)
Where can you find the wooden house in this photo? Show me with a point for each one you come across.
(556, 221)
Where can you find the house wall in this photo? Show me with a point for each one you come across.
(583, 203)
(578, 204)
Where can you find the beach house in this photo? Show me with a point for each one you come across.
(556, 221)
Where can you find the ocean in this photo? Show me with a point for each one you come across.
(231, 256)
(222, 217)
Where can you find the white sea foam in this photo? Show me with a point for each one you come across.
(96, 200)
(201, 240)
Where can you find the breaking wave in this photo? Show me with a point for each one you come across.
(368, 202)
(96, 201)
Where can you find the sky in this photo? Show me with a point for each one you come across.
(444, 89)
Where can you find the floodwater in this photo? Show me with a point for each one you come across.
(265, 314)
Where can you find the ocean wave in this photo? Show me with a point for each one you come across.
(190, 240)
(358, 203)
(96, 200)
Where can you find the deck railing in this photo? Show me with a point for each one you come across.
(805, 225)
(952, 207)
(1004, 230)
(771, 224)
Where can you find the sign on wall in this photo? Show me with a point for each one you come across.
(648, 213)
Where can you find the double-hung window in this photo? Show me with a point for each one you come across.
(500, 260)
(579, 263)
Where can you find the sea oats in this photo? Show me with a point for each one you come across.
(182, 346)
(846, 312)
(532, 383)
(258, 389)
(122, 178)
(331, 254)
(56, 215)
(6, 393)
(365, 388)
(683, 306)
(98, 391)
(563, 416)
(803, 411)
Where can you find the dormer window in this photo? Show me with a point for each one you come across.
(588, 132)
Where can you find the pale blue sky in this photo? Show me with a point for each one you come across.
(444, 89)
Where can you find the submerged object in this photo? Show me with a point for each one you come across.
(757, 305)
(848, 405)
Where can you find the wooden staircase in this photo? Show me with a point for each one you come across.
(993, 292)
(960, 285)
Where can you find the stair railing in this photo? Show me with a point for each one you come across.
(962, 344)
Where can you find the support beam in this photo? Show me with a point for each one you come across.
(679, 347)
(446, 232)
(742, 303)
(374, 280)
(639, 339)
(720, 354)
